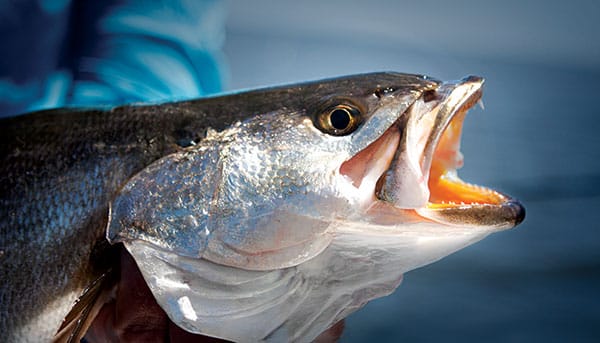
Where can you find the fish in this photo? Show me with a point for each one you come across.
(263, 215)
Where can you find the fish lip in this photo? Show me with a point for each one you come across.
(505, 215)
(472, 86)
(507, 212)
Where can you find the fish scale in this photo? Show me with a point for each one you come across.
(54, 209)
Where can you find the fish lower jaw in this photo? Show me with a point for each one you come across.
(456, 202)
(452, 202)
(448, 190)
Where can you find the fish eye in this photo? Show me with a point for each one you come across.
(339, 120)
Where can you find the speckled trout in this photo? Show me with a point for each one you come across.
(266, 215)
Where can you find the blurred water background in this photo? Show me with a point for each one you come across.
(537, 138)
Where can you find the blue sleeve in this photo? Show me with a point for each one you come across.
(83, 53)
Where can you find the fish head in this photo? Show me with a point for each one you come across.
(289, 176)
(350, 181)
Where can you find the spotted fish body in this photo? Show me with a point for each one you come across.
(277, 211)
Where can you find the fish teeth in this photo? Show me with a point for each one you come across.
(480, 103)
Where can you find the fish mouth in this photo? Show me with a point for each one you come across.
(421, 155)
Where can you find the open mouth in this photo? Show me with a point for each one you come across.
(447, 189)
(416, 164)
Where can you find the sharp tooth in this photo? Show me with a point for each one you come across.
(480, 103)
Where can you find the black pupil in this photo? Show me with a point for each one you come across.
(340, 119)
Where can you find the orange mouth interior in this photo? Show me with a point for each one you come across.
(446, 189)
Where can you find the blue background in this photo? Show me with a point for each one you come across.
(537, 138)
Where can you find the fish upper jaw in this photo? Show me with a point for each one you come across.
(410, 171)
